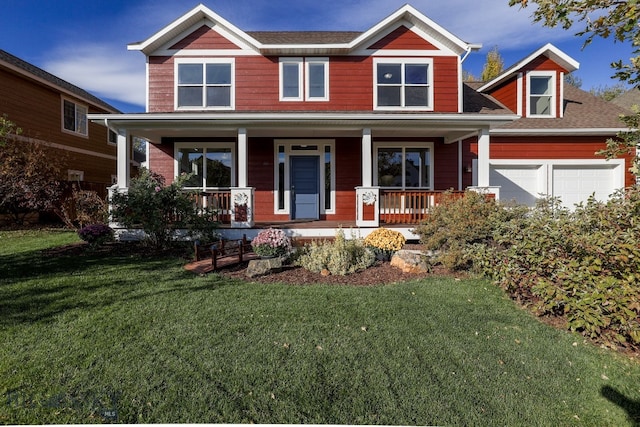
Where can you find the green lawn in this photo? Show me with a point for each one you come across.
(127, 339)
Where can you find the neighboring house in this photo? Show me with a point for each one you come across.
(53, 112)
(358, 128)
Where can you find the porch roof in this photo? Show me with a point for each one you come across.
(154, 126)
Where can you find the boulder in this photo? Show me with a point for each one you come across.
(410, 261)
(260, 267)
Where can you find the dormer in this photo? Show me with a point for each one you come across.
(533, 87)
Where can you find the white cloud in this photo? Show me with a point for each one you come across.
(106, 71)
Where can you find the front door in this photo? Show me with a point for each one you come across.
(305, 187)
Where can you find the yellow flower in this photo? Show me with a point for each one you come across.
(385, 240)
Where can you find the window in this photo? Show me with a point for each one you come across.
(75, 175)
(541, 88)
(74, 117)
(310, 74)
(211, 165)
(112, 137)
(403, 84)
(205, 85)
(404, 167)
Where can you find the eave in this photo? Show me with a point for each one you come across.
(559, 132)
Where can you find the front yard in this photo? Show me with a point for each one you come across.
(124, 338)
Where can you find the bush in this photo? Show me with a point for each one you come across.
(161, 209)
(96, 234)
(272, 242)
(384, 242)
(459, 223)
(339, 257)
(582, 265)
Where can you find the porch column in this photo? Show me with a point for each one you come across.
(243, 158)
(483, 157)
(367, 160)
(124, 158)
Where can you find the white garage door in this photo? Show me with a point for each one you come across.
(575, 184)
(519, 183)
(572, 181)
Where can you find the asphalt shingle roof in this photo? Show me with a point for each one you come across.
(304, 37)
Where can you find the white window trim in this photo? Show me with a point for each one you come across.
(204, 145)
(75, 175)
(554, 94)
(325, 63)
(403, 62)
(82, 132)
(404, 145)
(204, 62)
(299, 62)
(288, 143)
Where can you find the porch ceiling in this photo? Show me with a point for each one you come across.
(153, 127)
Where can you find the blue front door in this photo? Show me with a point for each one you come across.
(305, 187)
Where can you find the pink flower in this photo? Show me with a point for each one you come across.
(158, 188)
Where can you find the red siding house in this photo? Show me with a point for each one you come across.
(358, 129)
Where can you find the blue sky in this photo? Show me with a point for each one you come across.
(85, 42)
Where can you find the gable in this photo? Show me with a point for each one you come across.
(402, 38)
(542, 63)
(204, 38)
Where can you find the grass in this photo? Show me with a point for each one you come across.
(129, 339)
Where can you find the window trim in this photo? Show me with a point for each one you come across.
(299, 63)
(205, 145)
(325, 63)
(404, 146)
(204, 62)
(553, 95)
(76, 105)
(403, 62)
(288, 152)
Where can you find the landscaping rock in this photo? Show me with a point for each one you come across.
(260, 267)
(410, 261)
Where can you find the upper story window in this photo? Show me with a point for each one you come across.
(403, 84)
(310, 75)
(205, 84)
(74, 117)
(541, 94)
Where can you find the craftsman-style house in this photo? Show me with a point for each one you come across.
(358, 129)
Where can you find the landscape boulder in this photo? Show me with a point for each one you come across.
(410, 261)
(260, 267)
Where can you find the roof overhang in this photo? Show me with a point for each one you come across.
(559, 132)
(548, 50)
(155, 126)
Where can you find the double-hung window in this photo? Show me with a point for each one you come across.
(404, 167)
(403, 84)
(540, 90)
(304, 79)
(205, 85)
(74, 117)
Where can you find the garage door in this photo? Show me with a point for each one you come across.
(519, 183)
(575, 184)
(572, 182)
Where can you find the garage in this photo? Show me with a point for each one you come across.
(573, 181)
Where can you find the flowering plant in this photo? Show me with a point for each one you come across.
(96, 234)
(271, 242)
(385, 242)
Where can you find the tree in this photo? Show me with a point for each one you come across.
(493, 66)
(602, 18)
(8, 130)
(29, 176)
(609, 93)
(573, 80)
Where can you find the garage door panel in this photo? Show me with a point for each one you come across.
(520, 183)
(575, 184)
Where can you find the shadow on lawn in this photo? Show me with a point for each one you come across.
(631, 406)
(59, 292)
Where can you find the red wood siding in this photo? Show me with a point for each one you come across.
(204, 38)
(257, 85)
(544, 148)
(348, 176)
(507, 94)
(161, 160)
(261, 169)
(404, 39)
(445, 167)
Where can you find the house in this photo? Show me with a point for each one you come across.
(358, 129)
(53, 112)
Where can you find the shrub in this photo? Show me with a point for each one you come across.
(161, 209)
(582, 265)
(458, 223)
(384, 242)
(339, 257)
(271, 242)
(96, 234)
